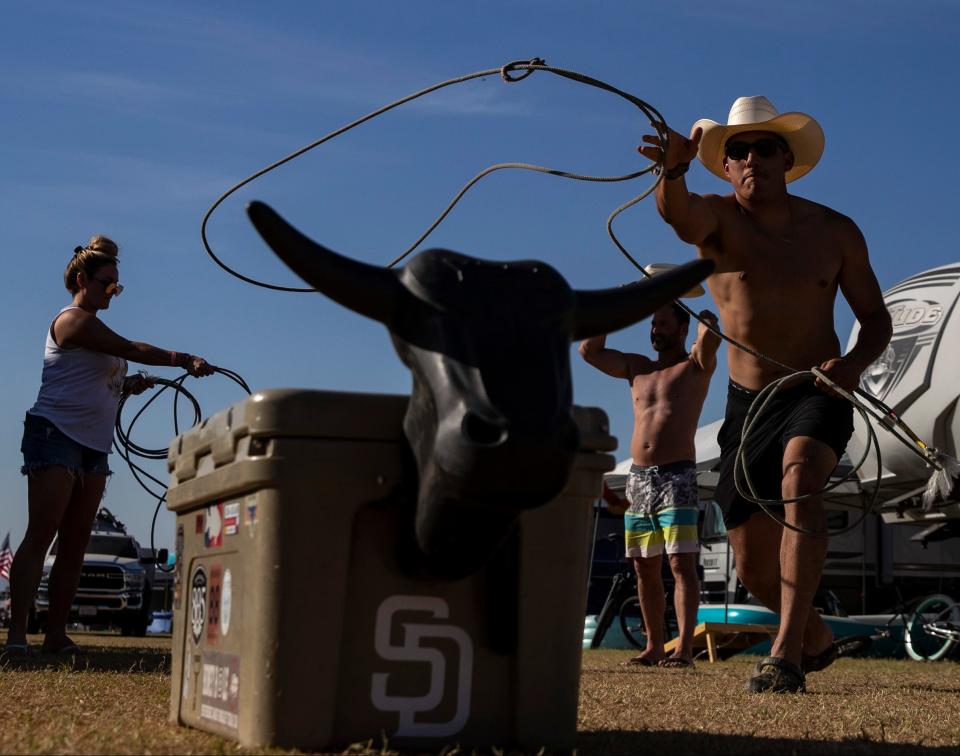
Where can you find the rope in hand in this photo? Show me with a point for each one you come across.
(517, 71)
(127, 449)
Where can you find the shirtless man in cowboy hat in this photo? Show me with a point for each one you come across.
(780, 260)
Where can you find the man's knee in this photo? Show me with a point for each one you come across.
(757, 568)
(684, 566)
(647, 568)
(802, 479)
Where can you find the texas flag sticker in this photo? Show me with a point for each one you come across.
(213, 528)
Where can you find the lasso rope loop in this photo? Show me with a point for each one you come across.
(741, 474)
(656, 120)
(519, 65)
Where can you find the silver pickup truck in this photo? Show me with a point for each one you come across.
(116, 580)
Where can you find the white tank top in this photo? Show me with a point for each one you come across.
(80, 391)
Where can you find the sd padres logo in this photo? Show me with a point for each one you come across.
(411, 650)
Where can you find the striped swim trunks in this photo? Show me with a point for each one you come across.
(663, 510)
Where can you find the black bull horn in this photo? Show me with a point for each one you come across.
(377, 292)
(489, 421)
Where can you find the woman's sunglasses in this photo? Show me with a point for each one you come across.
(738, 150)
(110, 286)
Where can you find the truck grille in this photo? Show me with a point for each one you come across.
(100, 578)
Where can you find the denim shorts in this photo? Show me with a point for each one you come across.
(44, 445)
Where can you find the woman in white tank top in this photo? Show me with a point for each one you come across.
(67, 436)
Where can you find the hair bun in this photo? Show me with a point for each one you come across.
(77, 250)
(103, 245)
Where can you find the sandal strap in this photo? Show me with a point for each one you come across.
(781, 663)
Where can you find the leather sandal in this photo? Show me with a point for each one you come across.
(776, 675)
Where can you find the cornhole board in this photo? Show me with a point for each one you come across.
(723, 639)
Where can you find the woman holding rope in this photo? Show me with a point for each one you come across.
(68, 434)
(780, 261)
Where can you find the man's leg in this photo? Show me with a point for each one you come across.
(686, 601)
(72, 539)
(652, 604)
(48, 493)
(756, 547)
(807, 464)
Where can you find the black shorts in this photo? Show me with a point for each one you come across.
(802, 410)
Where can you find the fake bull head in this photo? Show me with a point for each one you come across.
(489, 419)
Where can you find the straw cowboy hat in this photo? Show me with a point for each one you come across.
(654, 268)
(801, 132)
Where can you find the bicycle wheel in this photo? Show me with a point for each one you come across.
(922, 645)
(631, 623)
(607, 613)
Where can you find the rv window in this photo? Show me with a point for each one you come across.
(837, 520)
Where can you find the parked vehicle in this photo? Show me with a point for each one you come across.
(116, 580)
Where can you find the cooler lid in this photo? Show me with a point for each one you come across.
(309, 413)
(290, 413)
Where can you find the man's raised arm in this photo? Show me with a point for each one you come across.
(691, 215)
(610, 361)
(704, 351)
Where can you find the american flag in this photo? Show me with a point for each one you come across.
(6, 558)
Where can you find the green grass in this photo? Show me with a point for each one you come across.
(116, 700)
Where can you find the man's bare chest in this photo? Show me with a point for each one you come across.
(777, 270)
(667, 388)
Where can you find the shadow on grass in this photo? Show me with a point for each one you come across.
(94, 658)
(659, 742)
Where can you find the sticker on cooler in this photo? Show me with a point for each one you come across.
(198, 603)
(220, 688)
(177, 571)
(251, 514)
(231, 518)
(213, 526)
(213, 603)
(226, 601)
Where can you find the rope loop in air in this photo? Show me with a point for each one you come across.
(527, 66)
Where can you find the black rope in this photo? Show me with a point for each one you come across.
(127, 449)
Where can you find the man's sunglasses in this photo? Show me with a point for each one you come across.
(110, 286)
(738, 150)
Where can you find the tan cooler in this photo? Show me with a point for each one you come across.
(296, 622)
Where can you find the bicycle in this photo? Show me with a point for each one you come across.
(931, 629)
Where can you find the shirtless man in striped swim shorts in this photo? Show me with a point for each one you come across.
(668, 393)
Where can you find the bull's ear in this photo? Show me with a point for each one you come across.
(367, 289)
(608, 310)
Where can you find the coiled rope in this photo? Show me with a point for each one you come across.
(127, 449)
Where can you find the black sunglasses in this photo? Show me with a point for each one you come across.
(738, 150)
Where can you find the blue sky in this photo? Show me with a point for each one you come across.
(129, 119)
